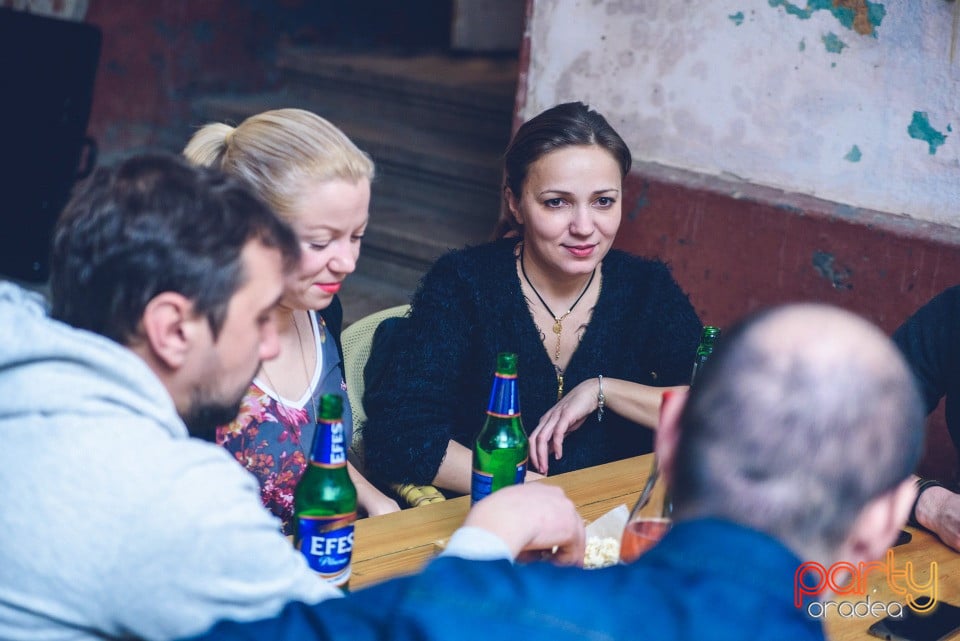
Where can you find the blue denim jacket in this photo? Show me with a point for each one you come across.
(707, 579)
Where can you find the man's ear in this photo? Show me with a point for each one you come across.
(513, 206)
(668, 430)
(878, 524)
(170, 327)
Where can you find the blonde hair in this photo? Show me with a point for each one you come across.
(280, 152)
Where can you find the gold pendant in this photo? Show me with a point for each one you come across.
(557, 329)
(559, 384)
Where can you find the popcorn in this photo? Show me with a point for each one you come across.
(603, 538)
(601, 552)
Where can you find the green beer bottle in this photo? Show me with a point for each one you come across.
(501, 449)
(708, 340)
(325, 499)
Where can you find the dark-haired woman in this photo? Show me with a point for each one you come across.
(598, 333)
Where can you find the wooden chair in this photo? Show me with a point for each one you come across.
(357, 340)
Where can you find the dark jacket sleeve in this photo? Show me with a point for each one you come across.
(410, 401)
(675, 329)
(928, 340)
(333, 318)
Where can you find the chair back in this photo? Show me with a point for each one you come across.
(357, 340)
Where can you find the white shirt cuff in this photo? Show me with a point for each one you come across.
(477, 544)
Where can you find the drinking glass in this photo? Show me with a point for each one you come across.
(649, 520)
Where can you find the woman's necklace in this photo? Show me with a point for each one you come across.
(557, 320)
(303, 359)
(306, 371)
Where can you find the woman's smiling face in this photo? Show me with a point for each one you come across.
(330, 219)
(570, 209)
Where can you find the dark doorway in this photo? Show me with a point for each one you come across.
(47, 87)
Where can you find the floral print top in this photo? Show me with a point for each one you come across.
(272, 436)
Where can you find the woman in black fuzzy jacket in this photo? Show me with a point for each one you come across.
(572, 309)
(930, 341)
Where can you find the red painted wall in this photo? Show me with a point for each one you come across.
(159, 54)
(737, 247)
(156, 55)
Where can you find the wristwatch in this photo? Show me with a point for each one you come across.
(922, 486)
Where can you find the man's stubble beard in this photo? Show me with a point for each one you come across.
(206, 414)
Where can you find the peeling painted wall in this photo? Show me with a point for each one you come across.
(851, 101)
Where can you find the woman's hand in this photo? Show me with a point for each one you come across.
(938, 510)
(379, 503)
(633, 401)
(566, 416)
(531, 476)
(369, 498)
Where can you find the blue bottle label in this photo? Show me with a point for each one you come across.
(481, 486)
(504, 397)
(521, 473)
(329, 447)
(327, 544)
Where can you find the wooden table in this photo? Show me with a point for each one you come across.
(402, 542)
(922, 550)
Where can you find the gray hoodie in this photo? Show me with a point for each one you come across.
(113, 521)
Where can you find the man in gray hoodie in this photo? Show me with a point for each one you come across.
(114, 522)
(118, 519)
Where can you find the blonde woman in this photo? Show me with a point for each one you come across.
(317, 180)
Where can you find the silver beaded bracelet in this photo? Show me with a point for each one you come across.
(600, 398)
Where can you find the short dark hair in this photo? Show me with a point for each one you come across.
(564, 125)
(154, 223)
(792, 433)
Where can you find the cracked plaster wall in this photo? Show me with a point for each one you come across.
(849, 100)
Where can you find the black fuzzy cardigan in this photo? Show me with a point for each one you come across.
(433, 383)
(930, 341)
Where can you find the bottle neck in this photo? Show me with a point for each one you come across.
(504, 398)
(329, 444)
(697, 365)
